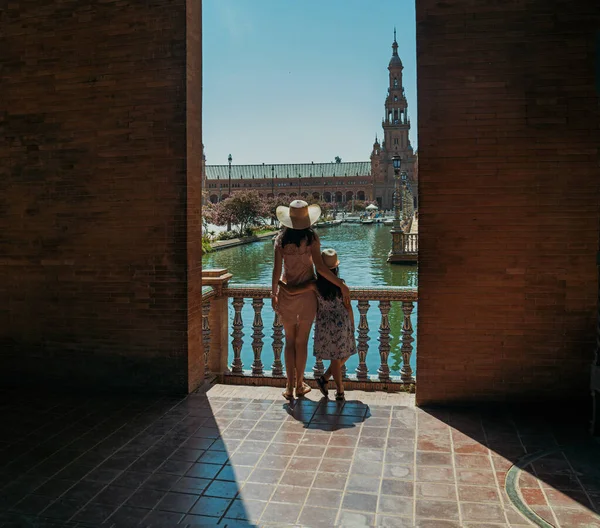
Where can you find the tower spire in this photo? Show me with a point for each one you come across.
(394, 33)
(395, 45)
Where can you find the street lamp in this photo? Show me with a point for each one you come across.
(229, 159)
(397, 162)
(273, 180)
(403, 177)
(396, 253)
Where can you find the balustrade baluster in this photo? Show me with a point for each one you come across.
(362, 372)
(237, 334)
(384, 341)
(344, 372)
(206, 337)
(319, 368)
(407, 340)
(277, 346)
(257, 335)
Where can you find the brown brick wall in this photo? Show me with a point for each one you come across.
(509, 198)
(95, 211)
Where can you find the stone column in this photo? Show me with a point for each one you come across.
(218, 319)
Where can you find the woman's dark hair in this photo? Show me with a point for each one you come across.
(296, 236)
(327, 289)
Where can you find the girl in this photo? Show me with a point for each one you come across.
(297, 249)
(334, 326)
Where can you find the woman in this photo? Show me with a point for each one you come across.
(298, 252)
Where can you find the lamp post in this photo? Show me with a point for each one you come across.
(229, 160)
(273, 181)
(397, 163)
(396, 253)
(403, 202)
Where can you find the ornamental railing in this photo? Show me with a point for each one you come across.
(410, 242)
(223, 342)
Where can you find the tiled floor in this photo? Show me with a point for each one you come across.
(239, 456)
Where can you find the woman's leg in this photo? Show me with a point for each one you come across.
(302, 335)
(290, 354)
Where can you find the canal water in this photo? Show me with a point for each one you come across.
(362, 251)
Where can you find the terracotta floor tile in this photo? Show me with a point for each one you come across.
(476, 477)
(477, 493)
(257, 491)
(437, 509)
(567, 499)
(318, 517)
(333, 481)
(433, 459)
(436, 490)
(298, 478)
(353, 500)
(533, 496)
(387, 521)
(473, 461)
(472, 511)
(400, 506)
(363, 484)
(290, 494)
(434, 442)
(335, 466)
(398, 471)
(275, 512)
(324, 498)
(572, 517)
(355, 519)
(434, 474)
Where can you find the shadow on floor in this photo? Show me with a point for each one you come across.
(126, 461)
(557, 473)
(328, 415)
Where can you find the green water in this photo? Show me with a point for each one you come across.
(362, 251)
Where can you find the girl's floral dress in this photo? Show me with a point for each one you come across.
(334, 338)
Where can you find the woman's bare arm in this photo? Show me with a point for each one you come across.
(277, 265)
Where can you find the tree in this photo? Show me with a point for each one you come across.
(243, 208)
(271, 205)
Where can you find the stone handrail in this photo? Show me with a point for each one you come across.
(216, 352)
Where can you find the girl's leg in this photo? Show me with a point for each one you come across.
(290, 354)
(301, 344)
(336, 370)
(327, 373)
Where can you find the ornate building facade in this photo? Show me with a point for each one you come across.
(339, 182)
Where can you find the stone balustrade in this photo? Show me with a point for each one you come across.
(226, 363)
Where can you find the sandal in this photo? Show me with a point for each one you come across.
(288, 394)
(340, 396)
(322, 383)
(302, 391)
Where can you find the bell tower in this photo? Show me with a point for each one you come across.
(395, 123)
(396, 128)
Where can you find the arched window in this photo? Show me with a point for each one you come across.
(395, 82)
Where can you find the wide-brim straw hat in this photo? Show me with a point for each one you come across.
(299, 215)
(330, 258)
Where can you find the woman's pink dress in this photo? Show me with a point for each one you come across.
(297, 269)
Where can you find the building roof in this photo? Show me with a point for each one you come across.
(293, 170)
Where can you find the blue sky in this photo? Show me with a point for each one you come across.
(295, 81)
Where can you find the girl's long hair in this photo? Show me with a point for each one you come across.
(327, 289)
(296, 236)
